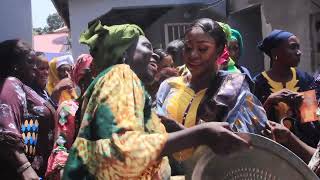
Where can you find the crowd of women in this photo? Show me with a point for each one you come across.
(128, 111)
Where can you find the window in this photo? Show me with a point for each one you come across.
(174, 31)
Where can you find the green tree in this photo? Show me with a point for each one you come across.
(54, 22)
(37, 31)
(40, 30)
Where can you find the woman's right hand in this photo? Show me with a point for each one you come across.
(170, 124)
(285, 95)
(64, 84)
(222, 140)
(29, 174)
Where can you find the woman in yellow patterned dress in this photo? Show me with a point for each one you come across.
(120, 137)
(182, 98)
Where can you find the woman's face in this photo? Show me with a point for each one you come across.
(143, 60)
(234, 50)
(87, 77)
(42, 72)
(64, 71)
(289, 52)
(199, 52)
(26, 70)
(167, 61)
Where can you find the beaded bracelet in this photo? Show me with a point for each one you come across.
(23, 167)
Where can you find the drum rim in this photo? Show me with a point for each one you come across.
(267, 145)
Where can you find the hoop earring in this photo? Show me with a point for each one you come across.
(124, 60)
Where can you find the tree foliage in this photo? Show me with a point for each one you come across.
(54, 21)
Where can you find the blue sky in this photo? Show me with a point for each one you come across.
(40, 11)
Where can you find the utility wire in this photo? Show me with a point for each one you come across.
(316, 4)
(212, 4)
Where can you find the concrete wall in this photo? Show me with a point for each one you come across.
(84, 11)
(290, 15)
(16, 20)
(245, 21)
(293, 16)
(156, 31)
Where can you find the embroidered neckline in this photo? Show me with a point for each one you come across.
(277, 86)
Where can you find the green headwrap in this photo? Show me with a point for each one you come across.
(231, 66)
(226, 29)
(108, 43)
(235, 35)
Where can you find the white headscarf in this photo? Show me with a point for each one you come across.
(66, 59)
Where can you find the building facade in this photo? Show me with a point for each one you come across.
(165, 20)
(16, 20)
(297, 16)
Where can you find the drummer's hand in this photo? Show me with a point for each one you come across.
(170, 124)
(277, 132)
(222, 140)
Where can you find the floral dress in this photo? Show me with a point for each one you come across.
(66, 129)
(26, 123)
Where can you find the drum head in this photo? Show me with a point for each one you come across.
(267, 160)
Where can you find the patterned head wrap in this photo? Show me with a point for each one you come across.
(84, 61)
(108, 43)
(273, 40)
(225, 56)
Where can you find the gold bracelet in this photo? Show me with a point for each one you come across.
(23, 167)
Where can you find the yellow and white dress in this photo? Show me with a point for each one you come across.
(176, 100)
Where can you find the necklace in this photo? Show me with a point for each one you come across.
(187, 110)
(184, 121)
